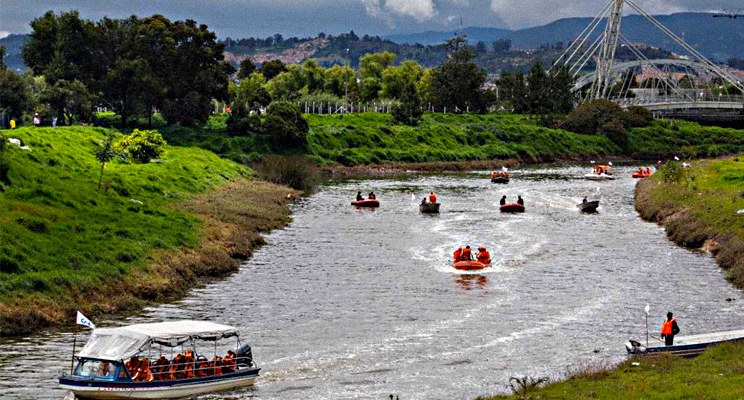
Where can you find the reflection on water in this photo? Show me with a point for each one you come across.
(357, 303)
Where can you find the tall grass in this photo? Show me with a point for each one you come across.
(296, 171)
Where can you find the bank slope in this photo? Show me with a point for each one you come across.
(66, 245)
(698, 207)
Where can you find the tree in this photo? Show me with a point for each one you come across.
(272, 68)
(313, 76)
(247, 67)
(396, 79)
(15, 93)
(126, 84)
(2, 59)
(514, 90)
(142, 146)
(537, 96)
(336, 79)
(105, 153)
(502, 46)
(457, 82)
(370, 89)
(480, 48)
(372, 65)
(285, 124)
(409, 110)
(70, 100)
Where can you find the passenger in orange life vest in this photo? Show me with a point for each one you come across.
(432, 198)
(466, 253)
(458, 254)
(483, 255)
(669, 328)
(132, 365)
(648, 171)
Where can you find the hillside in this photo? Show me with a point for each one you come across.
(12, 44)
(151, 232)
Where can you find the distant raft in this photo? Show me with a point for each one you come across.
(471, 265)
(599, 177)
(589, 206)
(638, 174)
(371, 203)
(429, 208)
(512, 208)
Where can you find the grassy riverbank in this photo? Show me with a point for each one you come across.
(698, 206)
(718, 374)
(66, 245)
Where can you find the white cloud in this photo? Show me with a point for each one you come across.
(420, 10)
(4, 34)
(462, 3)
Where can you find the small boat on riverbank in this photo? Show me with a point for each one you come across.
(429, 208)
(686, 345)
(470, 265)
(512, 208)
(366, 203)
(101, 371)
(589, 206)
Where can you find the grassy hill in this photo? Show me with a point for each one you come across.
(65, 244)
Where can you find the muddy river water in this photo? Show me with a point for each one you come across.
(358, 304)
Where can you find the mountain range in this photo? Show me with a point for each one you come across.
(719, 39)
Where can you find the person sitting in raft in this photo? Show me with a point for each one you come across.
(668, 329)
(519, 200)
(467, 254)
(359, 196)
(503, 200)
(483, 255)
(432, 197)
(372, 196)
(648, 171)
(423, 201)
(584, 201)
(132, 365)
(458, 254)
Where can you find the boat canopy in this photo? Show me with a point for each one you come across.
(116, 344)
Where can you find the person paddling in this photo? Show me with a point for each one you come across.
(584, 201)
(457, 254)
(520, 201)
(503, 200)
(432, 197)
(668, 329)
(372, 196)
(359, 196)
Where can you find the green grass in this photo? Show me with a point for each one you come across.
(685, 139)
(62, 237)
(716, 374)
(374, 138)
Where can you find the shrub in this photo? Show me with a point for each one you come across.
(295, 171)
(638, 117)
(143, 146)
(672, 171)
(286, 126)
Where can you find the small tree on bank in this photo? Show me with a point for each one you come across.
(286, 126)
(143, 146)
(105, 153)
(409, 110)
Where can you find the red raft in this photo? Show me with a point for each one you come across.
(366, 203)
(640, 175)
(512, 208)
(470, 265)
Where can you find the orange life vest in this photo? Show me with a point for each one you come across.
(457, 254)
(433, 198)
(666, 327)
(484, 256)
(466, 254)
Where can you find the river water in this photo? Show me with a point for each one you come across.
(359, 304)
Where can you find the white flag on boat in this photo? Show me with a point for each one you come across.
(83, 320)
(504, 169)
(647, 309)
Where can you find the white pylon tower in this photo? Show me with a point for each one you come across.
(606, 59)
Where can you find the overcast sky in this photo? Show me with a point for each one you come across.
(262, 18)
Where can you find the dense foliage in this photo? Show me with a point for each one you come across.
(142, 146)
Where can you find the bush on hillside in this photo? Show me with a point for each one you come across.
(295, 171)
(241, 122)
(605, 118)
(3, 164)
(142, 146)
(286, 126)
(638, 117)
(409, 110)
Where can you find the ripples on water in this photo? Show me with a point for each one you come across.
(351, 303)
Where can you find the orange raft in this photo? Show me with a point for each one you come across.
(471, 265)
(366, 203)
(638, 174)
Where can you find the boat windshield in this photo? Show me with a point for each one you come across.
(95, 369)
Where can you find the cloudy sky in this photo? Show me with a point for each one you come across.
(243, 18)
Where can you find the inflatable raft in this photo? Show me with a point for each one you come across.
(429, 208)
(512, 208)
(640, 175)
(470, 265)
(599, 177)
(589, 206)
(366, 203)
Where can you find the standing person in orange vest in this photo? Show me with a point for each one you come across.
(668, 329)
(432, 198)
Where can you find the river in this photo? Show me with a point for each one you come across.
(359, 304)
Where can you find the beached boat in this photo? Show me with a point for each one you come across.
(429, 208)
(366, 203)
(685, 345)
(471, 265)
(103, 372)
(589, 206)
(512, 208)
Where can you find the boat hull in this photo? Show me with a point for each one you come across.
(688, 346)
(429, 208)
(588, 207)
(512, 208)
(500, 180)
(366, 203)
(469, 265)
(86, 389)
(595, 177)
